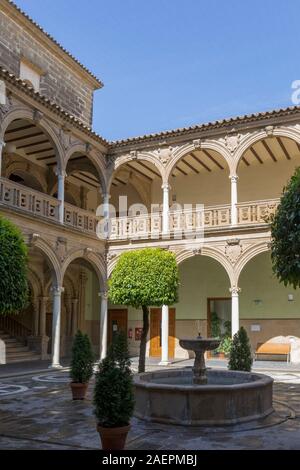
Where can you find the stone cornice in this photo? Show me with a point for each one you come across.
(36, 30)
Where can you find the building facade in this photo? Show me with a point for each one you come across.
(204, 192)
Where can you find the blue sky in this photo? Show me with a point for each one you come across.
(173, 63)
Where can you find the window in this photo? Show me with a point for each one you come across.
(30, 74)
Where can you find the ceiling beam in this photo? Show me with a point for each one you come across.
(120, 181)
(245, 161)
(18, 129)
(35, 152)
(147, 168)
(269, 151)
(190, 166)
(206, 152)
(33, 144)
(200, 162)
(139, 172)
(254, 152)
(286, 153)
(25, 137)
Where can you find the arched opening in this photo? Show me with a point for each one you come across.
(268, 310)
(83, 184)
(30, 155)
(196, 176)
(265, 168)
(80, 304)
(204, 300)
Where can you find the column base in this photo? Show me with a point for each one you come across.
(55, 366)
(164, 363)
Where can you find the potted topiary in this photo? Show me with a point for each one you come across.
(240, 353)
(114, 396)
(81, 365)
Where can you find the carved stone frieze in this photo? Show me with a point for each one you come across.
(61, 248)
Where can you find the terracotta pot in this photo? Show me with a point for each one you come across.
(221, 355)
(78, 390)
(113, 438)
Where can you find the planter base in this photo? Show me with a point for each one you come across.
(78, 390)
(113, 438)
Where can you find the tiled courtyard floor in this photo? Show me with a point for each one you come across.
(36, 412)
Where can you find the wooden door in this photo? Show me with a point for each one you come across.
(117, 321)
(155, 332)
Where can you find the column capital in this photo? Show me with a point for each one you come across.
(234, 178)
(60, 173)
(166, 186)
(2, 144)
(74, 301)
(235, 290)
(103, 294)
(57, 290)
(43, 298)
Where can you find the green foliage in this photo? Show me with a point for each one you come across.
(240, 354)
(113, 394)
(225, 345)
(82, 359)
(145, 277)
(215, 325)
(285, 230)
(13, 269)
(227, 327)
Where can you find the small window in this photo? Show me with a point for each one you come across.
(30, 74)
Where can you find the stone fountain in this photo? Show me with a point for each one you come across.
(199, 345)
(195, 396)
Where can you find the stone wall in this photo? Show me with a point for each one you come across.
(59, 82)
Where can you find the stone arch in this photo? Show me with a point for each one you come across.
(93, 156)
(185, 149)
(250, 253)
(284, 131)
(22, 167)
(210, 253)
(42, 123)
(70, 283)
(149, 157)
(54, 264)
(93, 258)
(35, 282)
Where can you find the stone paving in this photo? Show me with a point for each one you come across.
(37, 412)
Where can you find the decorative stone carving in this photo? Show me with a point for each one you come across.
(197, 144)
(233, 250)
(88, 252)
(110, 256)
(5, 108)
(61, 248)
(133, 154)
(232, 141)
(37, 116)
(164, 154)
(33, 238)
(65, 138)
(109, 161)
(196, 251)
(269, 131)
(235, 290)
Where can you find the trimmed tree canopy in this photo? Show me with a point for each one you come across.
(285, 229)
(13, 267)
(145, 277)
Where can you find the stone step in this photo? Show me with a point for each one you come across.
(19, 354)
(16, 348)
(11, 341)
(33, 357)
(5, 337)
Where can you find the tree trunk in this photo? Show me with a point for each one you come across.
(144, 335)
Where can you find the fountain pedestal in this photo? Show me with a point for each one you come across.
(199, 345)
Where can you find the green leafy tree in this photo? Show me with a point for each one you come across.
(240, 357)
(285, 231)
(13, 269)
(144, 278)
(82, 359)
(113, 393)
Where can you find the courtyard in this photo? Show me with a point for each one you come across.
(37, 412)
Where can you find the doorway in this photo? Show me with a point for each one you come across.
(218, 320)
(155, 332)
(117, 321)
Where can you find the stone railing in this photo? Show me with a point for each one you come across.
(16, 196)
(20, 197)
(80, 218)
(141, 226)
(256, 212)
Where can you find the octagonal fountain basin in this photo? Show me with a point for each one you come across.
(229, 397)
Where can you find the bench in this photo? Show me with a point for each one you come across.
(278, 349)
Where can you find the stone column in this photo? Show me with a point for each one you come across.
(1, 153)
(234, 309)
(74, 316)
(105, 204)
(103, 325)
(81, 297)
(234, 211)
(164, 336)
(43, 311)
(165, 214)
(61, 175)
(57, 291)
(36, 319)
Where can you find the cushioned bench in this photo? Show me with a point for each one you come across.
(278, 349)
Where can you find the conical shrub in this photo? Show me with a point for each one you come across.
(240, 354)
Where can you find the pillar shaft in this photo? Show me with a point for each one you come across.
(61, 194)
(56, 321)
(43, 311)
(165, 212)
(234, 211)
(103, 325)
(164, 335)
(1, 153)
(235, 310)
(74, 317)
